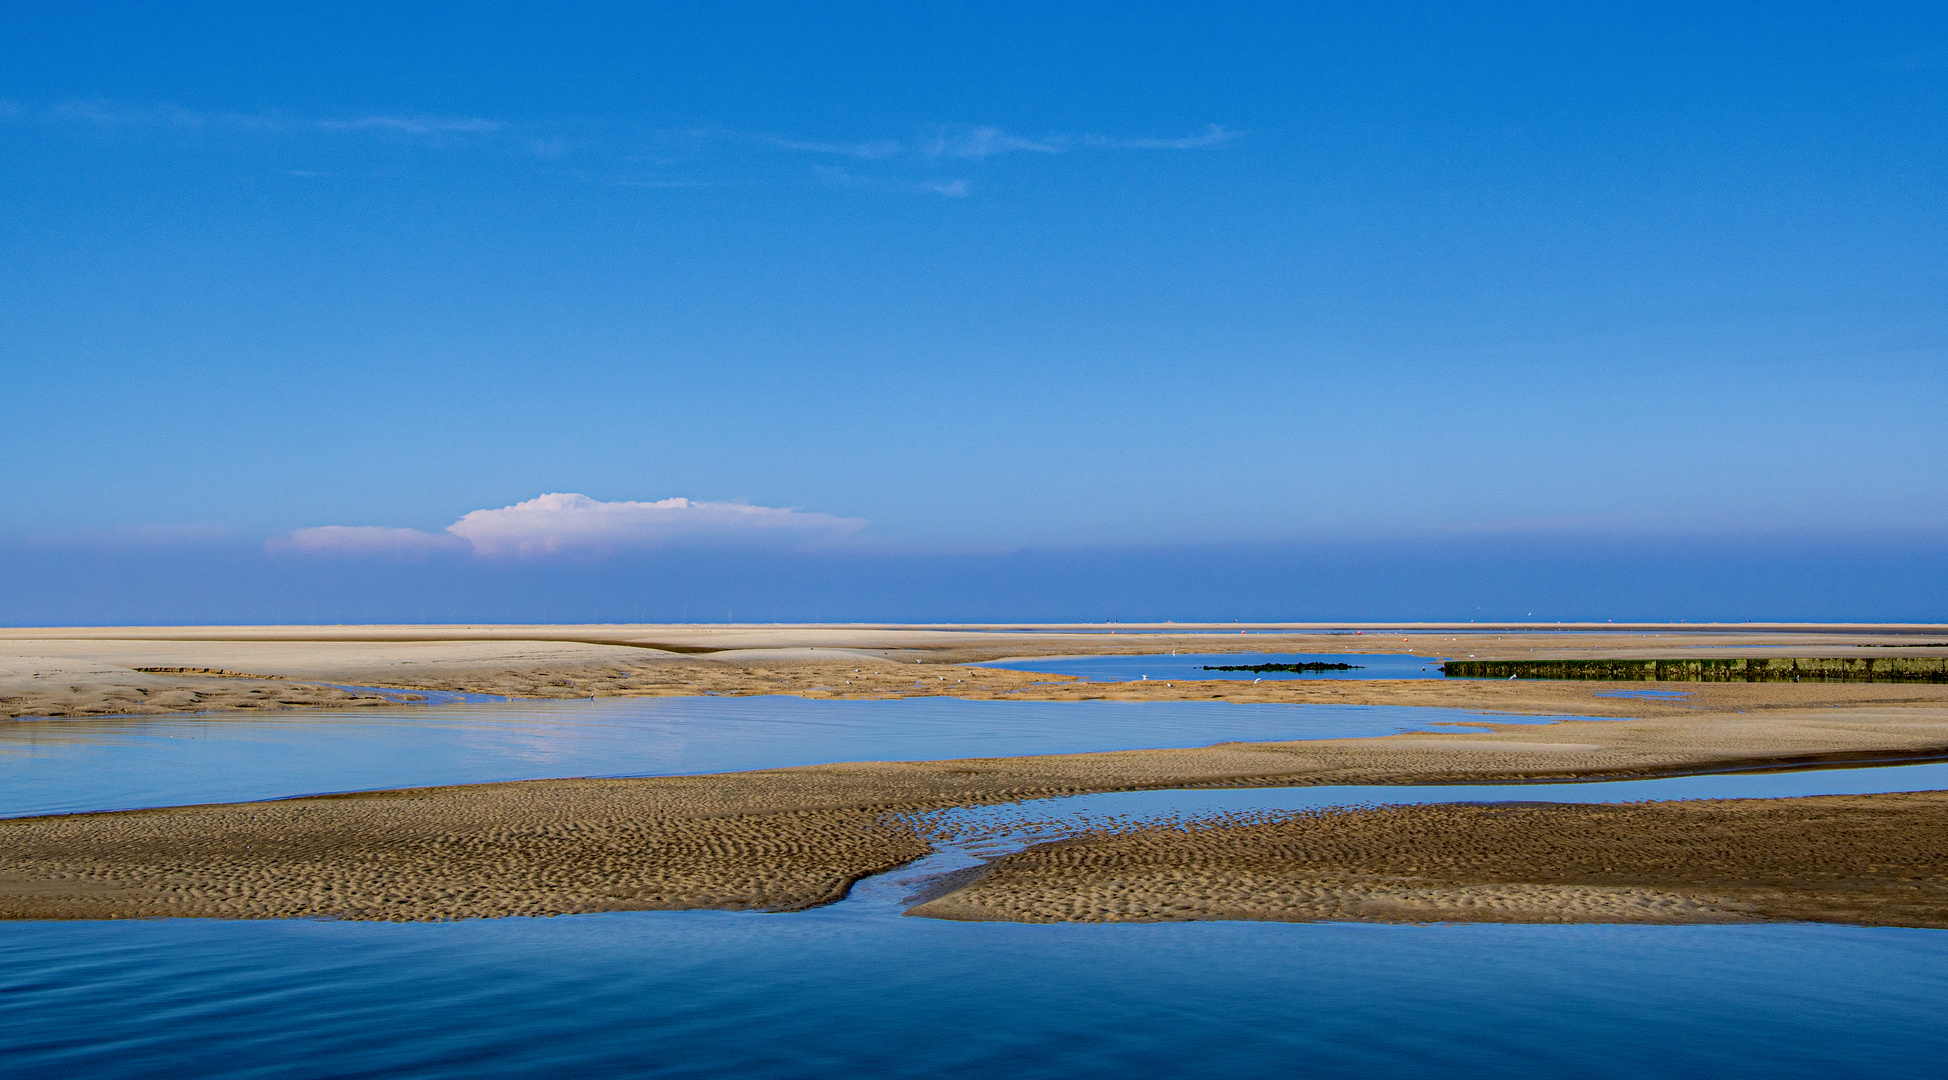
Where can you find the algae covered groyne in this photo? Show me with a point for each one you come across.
(1888, 669)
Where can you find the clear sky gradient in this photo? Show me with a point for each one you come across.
(1059, 311)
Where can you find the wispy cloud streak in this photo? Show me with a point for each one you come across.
(1213, 136)
(415, 125)
(609, 154)
(983, 142)
(975, 143)
(175, 117)
(871, 150)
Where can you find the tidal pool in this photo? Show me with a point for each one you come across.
(65, 766)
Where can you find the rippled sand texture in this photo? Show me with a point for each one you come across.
(545, 848)
(792, 838)
(1863, 859)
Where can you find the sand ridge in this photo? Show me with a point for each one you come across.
(1867, 860)
(1299, 897)
(776, 840)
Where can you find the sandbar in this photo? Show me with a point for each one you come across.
(1868, 860)
(789, 839)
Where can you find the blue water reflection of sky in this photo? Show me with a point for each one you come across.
(54, 766)
(856, 990)
(835, 993)
(1138, 805)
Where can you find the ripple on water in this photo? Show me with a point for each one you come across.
(822, 993)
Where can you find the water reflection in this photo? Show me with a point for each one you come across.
(1122, 808)
(854, 990)
(841, 993)
(53, 766)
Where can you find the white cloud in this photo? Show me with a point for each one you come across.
(953, 189)
(560, 523)
(564, 522)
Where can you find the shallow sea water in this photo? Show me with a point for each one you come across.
(856, 989)
(827, 993)
(1136, 806)
(64, 766)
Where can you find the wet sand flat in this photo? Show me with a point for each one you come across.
(779, 839)
(1876, 860)
(793, 838)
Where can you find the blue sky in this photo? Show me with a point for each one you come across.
(993, 286)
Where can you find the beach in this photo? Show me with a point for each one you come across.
(792, 838)
(136, 671)
(788, 839)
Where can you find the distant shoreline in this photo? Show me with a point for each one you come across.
(133, 671)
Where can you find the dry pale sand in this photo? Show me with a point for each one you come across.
(141, 670)
(65, 686)
(1879, 860)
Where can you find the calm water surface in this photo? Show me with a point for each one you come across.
(1137, 805)
(59, 766)
(855, 989)
(830, 993)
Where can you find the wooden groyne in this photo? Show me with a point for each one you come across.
(1887, 669)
